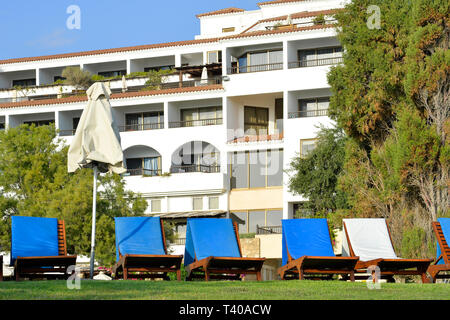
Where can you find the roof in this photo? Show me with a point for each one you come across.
(303, 14)
(222, 11)
(266, 3)
(82, 98)
(160, 45)
(297, 15)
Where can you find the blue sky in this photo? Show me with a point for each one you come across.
(35, 28)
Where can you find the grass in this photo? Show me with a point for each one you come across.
(220, 290)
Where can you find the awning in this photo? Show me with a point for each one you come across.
(189, 214)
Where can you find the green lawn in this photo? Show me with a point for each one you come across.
(223, 290)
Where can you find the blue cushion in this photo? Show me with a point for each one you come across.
(445, 225)
(33, 237)
(139, 235)
(305, 237)
(207, 237)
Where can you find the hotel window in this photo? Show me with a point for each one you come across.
(159, 68)
(39, 123)
(201, 116)
(149, 166)
(229, 29)
(110, 74)
(258, 218)
(213, 203)
(24, 82)
(256, 120)
(144, 121)
(313, 107)
(214, 56)
(257, 169)
(156, 205)
(75, 122)
(279, 115)
(56, 78)
(197, 203)
(318, 57)
(306, 146)
(261, 61)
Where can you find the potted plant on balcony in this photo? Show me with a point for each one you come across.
(80, 79)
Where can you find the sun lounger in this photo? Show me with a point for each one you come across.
(308, 251)
(38, 248)
(442, 231)
(141, 249)
(213, 251)
(370, 240)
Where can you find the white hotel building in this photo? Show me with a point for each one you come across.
(191, 143)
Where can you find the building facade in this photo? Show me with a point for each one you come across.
(216, 137)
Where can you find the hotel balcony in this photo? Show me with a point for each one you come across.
(255, 58)
(315, 62)
(196, 123)
(195, 168)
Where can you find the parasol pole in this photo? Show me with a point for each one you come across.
(94, 209)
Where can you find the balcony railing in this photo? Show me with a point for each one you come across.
(194, 168)
(142, 172)
(178, 84)
(195, 123)
(141, 127)
(179, 242)
(308, 113)
(268, 229)
(256, 68)
(167, 85)
(67, 133)
(315, 63)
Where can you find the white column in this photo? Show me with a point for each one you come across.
(129, 66)
(177, 60)
(57, 124)
(38, 78)
(285, 55)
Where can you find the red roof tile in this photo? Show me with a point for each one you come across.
(160, 45)
(265, 3)
(297, 15)
(82, 98)
(222, 11)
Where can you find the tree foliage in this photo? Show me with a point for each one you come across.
(392, 98)
(34, 182)
(315, 176)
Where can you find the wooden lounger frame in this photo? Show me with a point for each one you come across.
(225, 268)
(318, 266)
(435, 269)
(53, 267)
(391, 267)
(148, 265)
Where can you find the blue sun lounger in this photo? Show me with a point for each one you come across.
(307, 249)
(38, 248)
(213, 251)
(141, 249)
(442, 231)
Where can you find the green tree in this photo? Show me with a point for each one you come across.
(315, 176)
(34, 182)
(391, 96)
